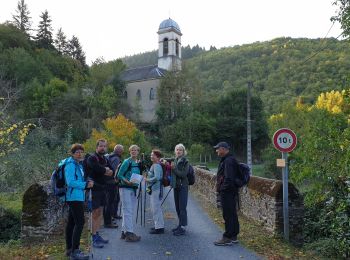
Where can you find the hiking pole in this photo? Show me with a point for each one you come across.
(144, 208)
(166, 196)
(141, 202)
(90, 216)
(138, 204)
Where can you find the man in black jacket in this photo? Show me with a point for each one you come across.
(98, 170)
(228, 193)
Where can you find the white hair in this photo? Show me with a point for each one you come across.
(182, 147)
(118, 147)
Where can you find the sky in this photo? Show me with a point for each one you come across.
(113, 29)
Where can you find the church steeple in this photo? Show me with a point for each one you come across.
(169, 53)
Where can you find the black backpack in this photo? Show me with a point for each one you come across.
(190, 175)
(243, 175)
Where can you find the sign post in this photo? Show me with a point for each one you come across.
(285, 141)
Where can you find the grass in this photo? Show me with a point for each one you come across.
(255, 238)
(11, 201)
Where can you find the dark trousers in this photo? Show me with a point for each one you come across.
(116, 204)
(181, 197)
(229, 213)
(109, 207)
(75, 224)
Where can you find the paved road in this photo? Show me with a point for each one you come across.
(196, 244)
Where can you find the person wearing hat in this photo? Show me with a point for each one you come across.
(228, 193)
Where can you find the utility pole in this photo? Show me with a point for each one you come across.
(249, 130)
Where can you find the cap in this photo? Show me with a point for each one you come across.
(222, 144)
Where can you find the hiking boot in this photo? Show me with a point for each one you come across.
(157, 231)
(179, 232)
(131, 237)
(100, 239)
(224, 241)
(174, 229)
(78, 255)
(111, 225)
(123, 236)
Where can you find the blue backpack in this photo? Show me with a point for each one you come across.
(243, 175)
(58, 181)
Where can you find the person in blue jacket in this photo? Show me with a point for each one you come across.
(75, 197)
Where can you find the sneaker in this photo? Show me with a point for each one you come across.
(117, 217)
(97, 244)
(78, 255)
(224, 241)
(157, 231)
(123, 236)
(131, 237)
(179, 232)
(68, 251)
(100, 239)
(174, 229)
(111, 225)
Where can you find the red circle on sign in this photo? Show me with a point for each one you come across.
(285, 140)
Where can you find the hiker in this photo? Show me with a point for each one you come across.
(155, 190)
(98, 170)
(114, 159)
(75, 197)
(228, 193)
(128, 192)
(179, 183)
(111, 191)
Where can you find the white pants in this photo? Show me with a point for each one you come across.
(129, 200)
(157, 210)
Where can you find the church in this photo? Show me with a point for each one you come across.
(142, 83)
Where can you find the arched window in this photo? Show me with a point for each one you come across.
(165, 46)
(151, 94)
(125, 94)
(138, 94)
(177, 47)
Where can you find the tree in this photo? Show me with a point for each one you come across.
(343, 15)
(22, 19)
(76, 51)
(117, 130)
(61, 43)
(44, 34)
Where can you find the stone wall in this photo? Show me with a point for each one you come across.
(262, 201)
(42, 213)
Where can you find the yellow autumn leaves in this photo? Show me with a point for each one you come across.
(12, 136)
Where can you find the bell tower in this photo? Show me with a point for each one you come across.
(169, 39)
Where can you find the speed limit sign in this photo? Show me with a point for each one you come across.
(285, 140)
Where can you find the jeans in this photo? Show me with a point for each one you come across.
(157, 209)
(181, 197)
(128, 198)
(75, 224)
(229, 213)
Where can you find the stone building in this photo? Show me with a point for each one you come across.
(143, 82)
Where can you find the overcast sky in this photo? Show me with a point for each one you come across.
(113, 29)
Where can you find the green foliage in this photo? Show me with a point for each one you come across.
(11, 37)
(22, 20)
(320, 168)
(343, 15)
(44, 34)
(278, 69)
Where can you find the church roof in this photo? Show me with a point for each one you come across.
(169, 23)
(143, 73)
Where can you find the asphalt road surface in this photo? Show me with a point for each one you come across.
(197, 243)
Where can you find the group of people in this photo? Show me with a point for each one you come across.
(109, 178)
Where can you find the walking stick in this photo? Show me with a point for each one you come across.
(144, 208)
(166, 196)
(90, 216)
(138, 204)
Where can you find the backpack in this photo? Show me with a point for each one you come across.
(190, 175)
(166, 179)
(58, 181)
(86, 167)
(243, 176)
